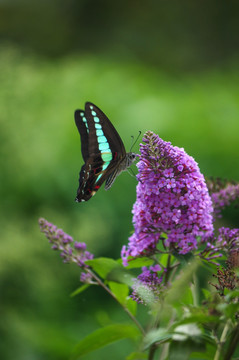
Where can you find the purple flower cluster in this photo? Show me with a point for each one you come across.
(227, 242)
(147, 286)
(224, 197)
(229, 238)
(61, 241)
(172, 199)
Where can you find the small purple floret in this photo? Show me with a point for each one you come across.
(86, 278)
(80, 246)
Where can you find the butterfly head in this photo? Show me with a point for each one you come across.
(130, 158)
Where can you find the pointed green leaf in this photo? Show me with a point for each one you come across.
(183, 332)
(198, 319)
(103, 337)
(229, 309)
(180, 285)
(135, 263)
(121, 291)
(158, 335)
(200, 356)
(181, 350)
(208, 352)
(131, 305)
(232, 294)
(137, 356)
(209, 339)
(184, 259)
(111, 270)
(121, 275)
(187, 296)
(103, 266)
(207, 294)
(164, 259)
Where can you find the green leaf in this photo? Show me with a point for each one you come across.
(137, 356)
(187, 297)
(181, 350)
(208, 353)
(80, 289)
(102, 266)
(207, 294)
(131, 305)
(209, 339)
(180, 285)
(226, 292)
(229, 309)
(164, 259)
(158, 335)
(198, 355)
(198, 318)
(209, 267)
(121, 291)
(121, 275)
(183, 332)
(103, 337)
(184, 259)
(232, 294)
(109, 269)
(139, 263)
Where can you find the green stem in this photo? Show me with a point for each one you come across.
(221, 341)
(173, 270)
(165, 347)
(164, 352)
(154, 346)
(233, 343)
(194, 288)
(152, 350)
(168, 270)
(100, 282)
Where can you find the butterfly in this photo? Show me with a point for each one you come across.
(102, 149)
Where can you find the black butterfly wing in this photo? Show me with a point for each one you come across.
(82, 127)
(115, 142)
(102, 150)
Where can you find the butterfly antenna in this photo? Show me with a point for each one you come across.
(134, 142)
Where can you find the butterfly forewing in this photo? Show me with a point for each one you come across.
(82, 127)
(102, 150)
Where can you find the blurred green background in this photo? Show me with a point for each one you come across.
(166, 66)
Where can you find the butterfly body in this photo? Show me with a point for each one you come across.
(102, 149)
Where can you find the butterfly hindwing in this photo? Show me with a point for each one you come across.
(102, 150)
